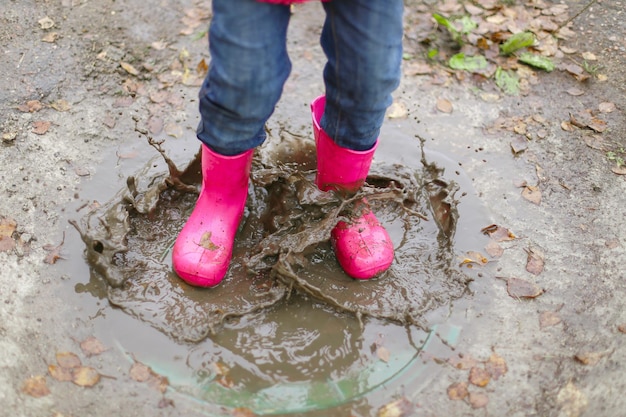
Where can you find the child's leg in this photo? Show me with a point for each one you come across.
(249, 66)
(362, 40)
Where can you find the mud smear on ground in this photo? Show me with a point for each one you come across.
(282, 245)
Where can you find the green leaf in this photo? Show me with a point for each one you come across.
(456, 35)
(508, 81)
(537, 61)
(432, 53)
(517, 41)
(467, 24)
(467, 63)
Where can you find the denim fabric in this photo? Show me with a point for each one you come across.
(249, 65)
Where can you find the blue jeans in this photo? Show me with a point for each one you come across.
(362, 40)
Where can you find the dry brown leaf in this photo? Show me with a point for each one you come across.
(478, 399)
(619, 169)
(444, 106)
(174, 130)
(6, 244)
(397, 110)
(46, 23)
(202, 68)
(7, 226)
(140, 372)
(155, 125)
(493, 249)
(92, 346)
(36, 386)
(398, 408)
(549, 318)
(31, 106)
(41, 127)
(496, 366)
(595, 142)
(519, 288)
(54, 252)
(532, 193)
(534, 261)
(86, 376)
(479, 376)
(574, 91)
(498, 233)
(61, 105)
(68, 360)
(129, 68)
(622, 328)
(383, 353)
(607, 107)
(458, 391)
(60, 373)
(50, 37)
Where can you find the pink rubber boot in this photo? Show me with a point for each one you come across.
(362, 246)
(204, 247)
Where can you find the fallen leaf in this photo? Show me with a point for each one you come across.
(534, 261)
(622, 328)
(140, 372)
(68, 360)
(7, 226)
(519, 144)
(81, 171)
(496, 366)
(478, 400)
(129, 68)
(86, 376)
(595, 142)
(571, 400)
(167, 402)
(574, 91)
(383, 354)
(155, 125)
(31, 106)
(61, 105)
(40, 127)
(202, 68)
(590, 358)
(498, 233)
(444, 106)
(532, 193)
(479, 376)
(6, 244)
(46, 23)
(619, 169)
(549, 318)
(54, 252)
(398, 408)
(607, 107)
(36, 386)
(519, 288)
(50, 37)
(397, 110)
(60, 373)
(589, 56)
(458, 391)
(158, 45)
(493, 249)
(475, 258)
(174, 130)
(92, 346)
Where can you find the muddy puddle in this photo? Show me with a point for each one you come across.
(287, 331)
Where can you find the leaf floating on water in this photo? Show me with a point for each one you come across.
(498, 233)
(36, 386)
(519, 288)
(458, 391)
(140, 372)
(68, 360)
(60, 373)
(383, 354)
(493, 249)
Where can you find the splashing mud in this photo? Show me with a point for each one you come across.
(282, 245)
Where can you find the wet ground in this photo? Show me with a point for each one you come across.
(538, 330)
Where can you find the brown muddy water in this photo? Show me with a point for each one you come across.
(287, 331)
